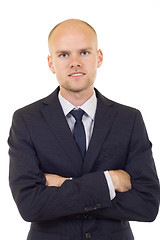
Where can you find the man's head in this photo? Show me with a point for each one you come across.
(74, 57)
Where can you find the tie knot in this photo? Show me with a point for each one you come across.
(77, 114)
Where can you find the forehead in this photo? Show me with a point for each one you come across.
(72, 35)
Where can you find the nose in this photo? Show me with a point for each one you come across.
(75, 62)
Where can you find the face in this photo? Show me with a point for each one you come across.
(74, 57)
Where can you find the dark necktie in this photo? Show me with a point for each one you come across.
(79, 131)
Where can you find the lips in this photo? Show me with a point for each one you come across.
(77, 74)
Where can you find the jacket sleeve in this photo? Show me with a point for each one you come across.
(141, 203)
(35, 200)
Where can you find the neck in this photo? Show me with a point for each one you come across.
(76, 98)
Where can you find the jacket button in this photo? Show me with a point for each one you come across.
(98, 206)
(88, 235)
(87, 209)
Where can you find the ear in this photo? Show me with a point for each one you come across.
(100, 58)
(50, 64)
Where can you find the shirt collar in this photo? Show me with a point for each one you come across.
(89, 106)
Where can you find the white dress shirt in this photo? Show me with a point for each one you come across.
(89, 107)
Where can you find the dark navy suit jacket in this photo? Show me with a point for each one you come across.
(41, 142)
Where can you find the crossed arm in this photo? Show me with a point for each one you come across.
(38, 202)
(121, 180)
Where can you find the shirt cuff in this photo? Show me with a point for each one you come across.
(110, 185)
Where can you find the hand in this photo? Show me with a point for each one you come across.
(53, 180)
(121, 180)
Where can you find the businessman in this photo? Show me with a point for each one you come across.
(81, 165)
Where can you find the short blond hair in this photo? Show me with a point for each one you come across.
(73, 20)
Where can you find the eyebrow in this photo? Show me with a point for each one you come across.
(68, 51)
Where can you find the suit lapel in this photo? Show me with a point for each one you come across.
(104, 118)
(54, 116)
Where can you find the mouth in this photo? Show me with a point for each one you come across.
(77, 74)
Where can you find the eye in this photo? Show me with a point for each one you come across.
(84, 53)
(63, 55)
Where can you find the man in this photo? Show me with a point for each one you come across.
(81, 165)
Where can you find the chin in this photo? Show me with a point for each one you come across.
(78, 89)
(74, 88)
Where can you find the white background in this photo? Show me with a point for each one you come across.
(129, 35)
